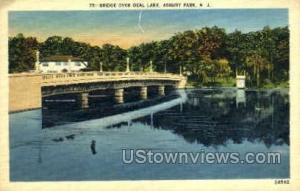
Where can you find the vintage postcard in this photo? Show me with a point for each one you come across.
(150, 95)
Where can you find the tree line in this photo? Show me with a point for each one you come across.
(204, 55)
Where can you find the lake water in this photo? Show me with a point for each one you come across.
(55, 143)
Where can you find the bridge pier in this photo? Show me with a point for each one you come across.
(161, 90)
(119, 95)
(182, 83)
(144, 92)
(84, 100)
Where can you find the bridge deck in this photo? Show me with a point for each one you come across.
(89, 77)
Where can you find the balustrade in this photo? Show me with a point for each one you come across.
(92, 76)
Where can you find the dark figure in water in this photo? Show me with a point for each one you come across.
(93, 147)
(70, 136)
(60, 139)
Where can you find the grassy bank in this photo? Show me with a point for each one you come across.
(231, 82)
(276, 85)
(219, 82)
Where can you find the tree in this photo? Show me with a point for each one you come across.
(281, 55)
(222, 67)
(22, 53)
(203, 54)
(52, 46)
(258, 63)
(235, 47)
(113, 58)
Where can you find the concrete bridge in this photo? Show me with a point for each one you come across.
(27, 89)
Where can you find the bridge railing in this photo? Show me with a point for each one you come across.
(61, 78)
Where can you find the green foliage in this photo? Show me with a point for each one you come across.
(205, 55)
(113, 58)
(22, 53)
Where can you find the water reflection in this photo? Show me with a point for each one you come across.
(214, 117)
(210, 117)
(224, 120)
(240, 97)
(99, 105)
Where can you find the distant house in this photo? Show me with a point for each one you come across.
(61, 63)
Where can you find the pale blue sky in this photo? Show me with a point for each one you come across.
(121, 27)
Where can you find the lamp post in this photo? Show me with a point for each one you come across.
(69, 65)
(151, 67)
(101, 69)
(180, 70)
(127, 65)
(165, 69)
(37, 62)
